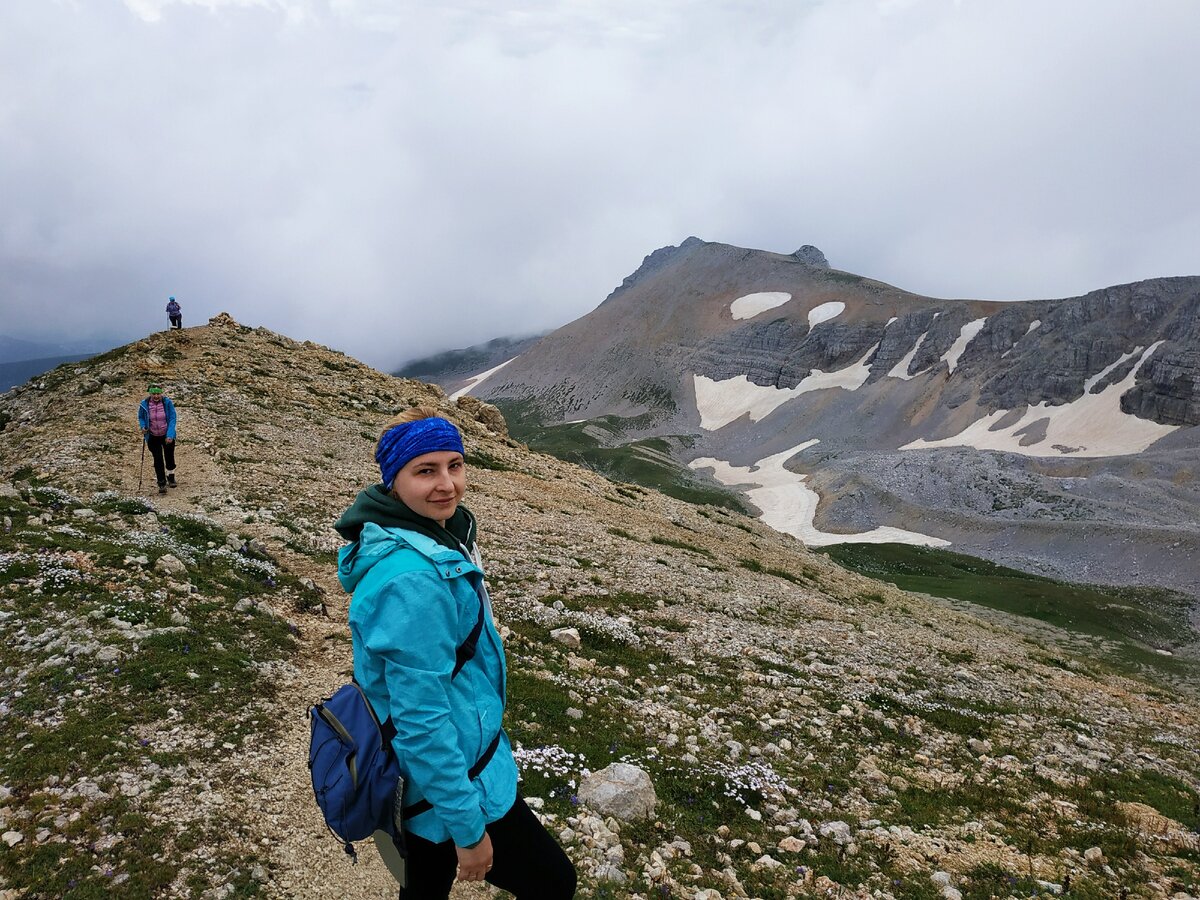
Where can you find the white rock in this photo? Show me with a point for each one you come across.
(12, 838)
(568, 637)
(620, 790)
(168, 564)
(839, 831)
(108, 655)
(609, 873)
(1094, 855)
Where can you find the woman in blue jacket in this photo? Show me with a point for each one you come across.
(418, 596)
(156, 418)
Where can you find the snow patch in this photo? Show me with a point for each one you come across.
(721, 402)
(824, 313)
(1092, 426)
(951, 356)
(1099, 376)
(751, 305)
(479, 379)
(789, 505)
(900, 369)
(1033, 326)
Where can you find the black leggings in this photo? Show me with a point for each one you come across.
(526, 861)
(158, 449)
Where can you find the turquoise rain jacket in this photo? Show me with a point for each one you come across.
(414, 601)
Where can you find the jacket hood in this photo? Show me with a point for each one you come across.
(375, 543)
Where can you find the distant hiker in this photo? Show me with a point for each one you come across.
(174, 313)
(156, 417)
(419, 609)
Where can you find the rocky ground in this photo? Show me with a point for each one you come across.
(809, 732)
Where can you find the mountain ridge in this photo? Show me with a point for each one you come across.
(737, 355)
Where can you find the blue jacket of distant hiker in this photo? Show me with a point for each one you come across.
(144, 417)
(414, 602)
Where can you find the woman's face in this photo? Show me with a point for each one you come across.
(431, 485)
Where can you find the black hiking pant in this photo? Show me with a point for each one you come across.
(527, 861)
(177, 321)
(164, 456)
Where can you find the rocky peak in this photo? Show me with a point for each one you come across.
(656, 261)
(811, 256)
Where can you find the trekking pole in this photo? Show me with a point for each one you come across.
(142, 464)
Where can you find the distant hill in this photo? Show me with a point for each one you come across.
(14, 373)
(19, 349)
(451, 367)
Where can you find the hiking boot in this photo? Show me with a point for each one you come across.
(171, 479)
(162, 488)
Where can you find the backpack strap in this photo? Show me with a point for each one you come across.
(415, 809)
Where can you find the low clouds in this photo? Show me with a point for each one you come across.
(398, 178)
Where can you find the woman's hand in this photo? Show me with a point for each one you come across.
(474, 863)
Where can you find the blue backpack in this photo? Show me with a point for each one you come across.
(355, 774)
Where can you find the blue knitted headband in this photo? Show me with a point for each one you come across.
(408, 440)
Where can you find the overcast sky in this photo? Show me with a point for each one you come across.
(395, 178)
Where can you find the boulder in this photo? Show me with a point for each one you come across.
(169, 564)
(567, 636)
(621, 790)
(484, 413)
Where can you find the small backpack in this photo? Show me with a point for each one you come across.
(355, 774)
(354, 770)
